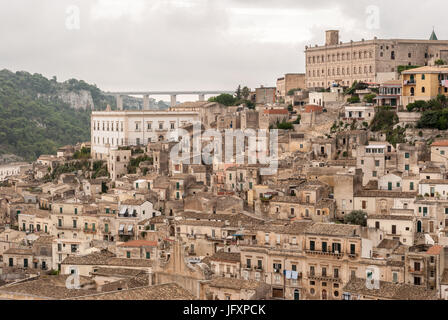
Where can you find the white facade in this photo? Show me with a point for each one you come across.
(111, 129)
(435, 188)
(362, 113)
(12, 169)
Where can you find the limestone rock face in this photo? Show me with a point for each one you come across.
(77, 99)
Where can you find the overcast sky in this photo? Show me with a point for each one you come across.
(193, 44)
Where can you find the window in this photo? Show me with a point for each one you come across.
(377, 224)
(336, 248)
(148, 255)
(406, 155)
(352, 248)
(406, 168)
(416, 266)
(336, 273)
(74, 224)
(312, 270)
(312, 245)
(394, 229)
(248, 263)
(374, 174)
(324, 272)
(11, 262)
(324, 247)
(394, 277)
(25, 263)
(128, 254)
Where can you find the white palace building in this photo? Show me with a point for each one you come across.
(113, 129)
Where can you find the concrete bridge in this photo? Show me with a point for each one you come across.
(172, 94)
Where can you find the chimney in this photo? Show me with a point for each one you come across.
(331, 37)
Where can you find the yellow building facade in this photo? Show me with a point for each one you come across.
(424, 83)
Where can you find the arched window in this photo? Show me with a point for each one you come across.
(423, 89)
(296, 294)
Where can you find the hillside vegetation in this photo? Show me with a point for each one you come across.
(35, 121)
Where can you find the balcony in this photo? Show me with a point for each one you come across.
(412, 270)
(92, 231)
(409, 82)
(325, 277)
(68, 228)
(324, 253)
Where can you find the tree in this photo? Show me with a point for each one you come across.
(369, 98)
(357, 217)
(238, 92)
(354, 99)
(285, 125)
(225, 99)
(439, 62)
(246, 93)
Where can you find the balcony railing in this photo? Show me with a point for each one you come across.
(324, 253)
(325, 277)
(412, 270)
(68, 228)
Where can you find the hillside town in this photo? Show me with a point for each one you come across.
(348, 201)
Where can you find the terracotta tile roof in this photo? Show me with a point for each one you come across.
(226, 256)
(106, 258)
(117, 272)
(170, 291)
(313, 108)
(237, 284)
(440, 143)
(427, 69)
(388, 244)
(389, 290)
(49, 287)
(18, 251)
(434, 181)
(435, 250)
(276, 111)
(334, 229)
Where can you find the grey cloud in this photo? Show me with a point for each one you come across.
(185, 48)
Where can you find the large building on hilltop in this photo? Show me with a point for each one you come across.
(374, 60)
(113, 129)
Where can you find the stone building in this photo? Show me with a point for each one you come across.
(367, 60)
